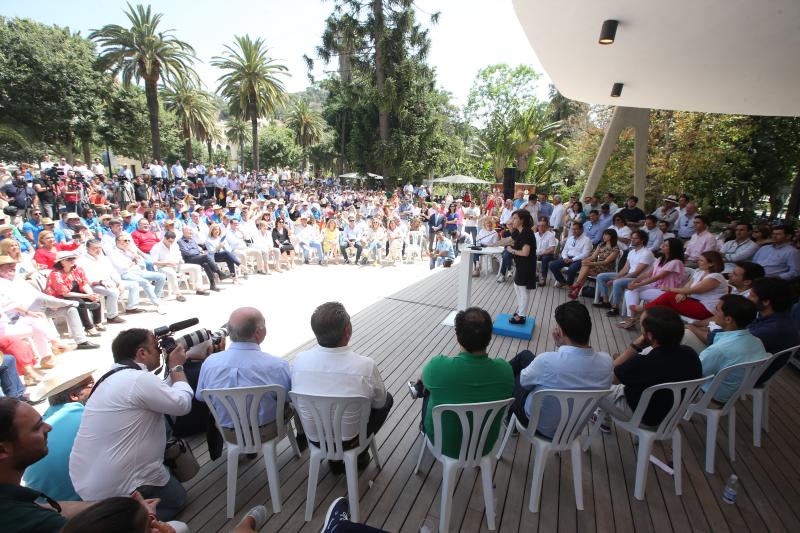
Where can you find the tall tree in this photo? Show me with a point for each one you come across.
(142, 52)
(193, 108)
(251, 82)
(307, 125)
(236, 132)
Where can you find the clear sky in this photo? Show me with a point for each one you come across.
(471, 34)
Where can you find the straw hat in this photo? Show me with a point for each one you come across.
(72, 215)
(6, 227)
(125, 213)
(57, 382)
(65, 254)
(7, 260)
(47, 221)
(671, 199)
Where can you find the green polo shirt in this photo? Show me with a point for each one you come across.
(20, 513)
(465, 378)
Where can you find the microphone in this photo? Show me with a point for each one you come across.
(177, 326)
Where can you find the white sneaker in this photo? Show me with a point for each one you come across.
(259, 514)
(160, 310)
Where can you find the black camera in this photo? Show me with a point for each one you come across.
(167, 342)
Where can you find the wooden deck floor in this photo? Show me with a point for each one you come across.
(402, 332)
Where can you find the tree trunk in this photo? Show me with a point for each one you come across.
(210, 153)
(87, 152)
(189, 153)
(151, 92)
(793, 211)
(380, 75)
(254, 123)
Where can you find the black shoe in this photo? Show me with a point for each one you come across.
(215, 289)
(251, 456)
(603, 305)
(613, 312)
(302, 442)
(517, 320)
(86, 345)
(202, 293)
(337, 467)
(338, 512)
(134, 311)
(223, 275)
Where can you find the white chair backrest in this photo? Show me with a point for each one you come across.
(326, 416)
(749, 373)
(576, 406)
(790, 352)
(683, 393)
(415, 238)
(242, 404)
(476, 420)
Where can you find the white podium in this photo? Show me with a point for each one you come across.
(464, 280)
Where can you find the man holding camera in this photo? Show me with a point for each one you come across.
(120, 445)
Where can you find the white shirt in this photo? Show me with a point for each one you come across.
(654, 238)
(623, 232)
(336, 372)
(154, 171)
(545, 241)
(471, 215)
(123, 262)
(160, 252)
(577, 249)
(120, 443)
(98, 268)
(639, 257)
(734, 251)
(505, 216)
(557, 217)
(308, 234)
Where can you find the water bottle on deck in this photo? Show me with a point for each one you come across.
(729, 494)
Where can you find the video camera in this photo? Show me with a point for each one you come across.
(167, 342)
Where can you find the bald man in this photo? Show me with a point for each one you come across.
(243, 364)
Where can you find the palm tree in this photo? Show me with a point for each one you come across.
(307, 124)
(142, 52)
(193, 107)
(209, 134)
(250, 83)
(236, 132)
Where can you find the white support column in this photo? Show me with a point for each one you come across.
(623, 117)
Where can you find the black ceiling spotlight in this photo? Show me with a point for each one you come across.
(608, 31)
(616, 90)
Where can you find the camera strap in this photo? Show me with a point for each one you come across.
(128, 365)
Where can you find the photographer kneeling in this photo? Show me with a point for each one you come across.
(120, 444)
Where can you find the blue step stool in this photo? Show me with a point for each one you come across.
(520, 331)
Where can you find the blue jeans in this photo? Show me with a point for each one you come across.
(172, 496)
(10, 384)
(505, 262)
(144, 279)
(617, 288)
(572, 270)
(545, 260)
(305, 247)
(229, 259)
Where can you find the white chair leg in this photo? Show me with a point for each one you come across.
(512, 422)
(313, 478)
(449, 471)
(677, 459)
(271, 462)
(351, 471)
(292, 439)
(539, 462)
(593, 431)
(732, 434)
(712, 424)
(642, 465)
(577, 473)
(488, 492)
(422, 446)
(233, 471)
(375, 455)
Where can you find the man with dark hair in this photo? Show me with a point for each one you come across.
(779, 259)
(611, 285)
(668, 361)
(167, 258)
(741, 248)
(634, 216)
(23, 441)
(774, 326)
(243, 364)
(732, 344)
(701, 241)
(654, 235)
(469, 377)
(120, 444)
(575, 365)
(576, 248)
(743, 275)
(67, 393)
(332, 368)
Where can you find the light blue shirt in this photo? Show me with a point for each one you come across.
(593, 231)
(243, 364)
(50, 474)
(445, 246)
(730, 348)
(783, 262)
(569, 368)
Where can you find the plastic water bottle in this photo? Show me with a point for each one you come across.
(729, 494)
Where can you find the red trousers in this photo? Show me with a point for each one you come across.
(21, 351)
(688, 307)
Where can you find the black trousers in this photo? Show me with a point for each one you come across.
(88, 318)
(209, 266)
(520, 394)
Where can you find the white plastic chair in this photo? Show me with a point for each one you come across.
(327, 413)
(473, 417)
(578, 406)
(683, 392)
(761, 396)
(750, 371)
(414, 246)
(242, 406)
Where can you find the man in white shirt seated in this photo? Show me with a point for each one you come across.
(235, 240)
(740, 248)
(546, 246)
(243, 364)
(575, 365)
(109, 240)
(309, 238)
(120, 444)
(576, 248)
(168, 260)
(332, 368)
(351, 239)
(654, 235)
(105, 280)
(130, 265)
(639, 262)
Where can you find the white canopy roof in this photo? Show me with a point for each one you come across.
(720, 56)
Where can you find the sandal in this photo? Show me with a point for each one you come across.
(626, 324)
(575, 291)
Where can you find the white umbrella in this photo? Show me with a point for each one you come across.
(352, 176)
(459, 179)
(375, 176)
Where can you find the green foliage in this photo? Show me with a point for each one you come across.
(277, 147)
(194, 109)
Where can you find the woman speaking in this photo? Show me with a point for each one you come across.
(522, 247)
